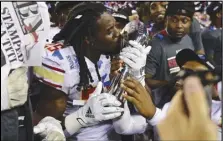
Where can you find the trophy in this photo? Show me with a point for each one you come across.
(115, 88)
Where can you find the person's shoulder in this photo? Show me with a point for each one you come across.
(210, 33)
(57, 51)
(60, 55)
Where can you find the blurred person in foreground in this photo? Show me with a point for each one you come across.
(196, 126)
(161, 66)
(74, 76)
(190, 64)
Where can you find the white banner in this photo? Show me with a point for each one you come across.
(24, 29)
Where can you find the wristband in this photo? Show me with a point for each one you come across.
(156, 118)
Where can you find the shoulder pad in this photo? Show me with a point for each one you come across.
(53, 46)
(53, 49)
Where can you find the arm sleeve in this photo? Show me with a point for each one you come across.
(159, 115)
(130, 124)
(153, 59)
(51, 73)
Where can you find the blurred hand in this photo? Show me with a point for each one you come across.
(138, 95)
(193, 124)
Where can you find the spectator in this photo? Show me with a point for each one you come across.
(212, 36)
(161, 66)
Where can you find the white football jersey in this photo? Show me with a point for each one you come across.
(60, 69)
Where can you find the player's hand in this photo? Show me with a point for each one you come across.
(99, 107)
(50, 129)
(196, 125)
(138, 95)
(135, 56)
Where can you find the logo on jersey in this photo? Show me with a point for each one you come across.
(89, 113)
(73, 62)
(172, 64)
(53, 47)
(57, 54)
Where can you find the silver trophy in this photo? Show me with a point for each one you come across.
(115, 88)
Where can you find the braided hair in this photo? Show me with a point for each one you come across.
(81, 23)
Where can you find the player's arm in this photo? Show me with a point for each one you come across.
(129, 123)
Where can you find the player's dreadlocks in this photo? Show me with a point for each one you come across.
(81, 23)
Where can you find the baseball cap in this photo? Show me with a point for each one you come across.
(214, 7)
(121, 16)
(59, 6)
(180, 8)
(186, 55)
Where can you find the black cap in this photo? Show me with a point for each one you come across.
(214, 7)
(180, 8)
(186, 55)
(121, 16)
(64, 5)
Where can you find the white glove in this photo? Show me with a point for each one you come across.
(129, 124)
(99, 107)
(17, 87)
(50, 129)
(135, 56)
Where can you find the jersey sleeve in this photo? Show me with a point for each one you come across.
(154, 58)
(51, 72)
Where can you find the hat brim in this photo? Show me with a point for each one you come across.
(186, 55)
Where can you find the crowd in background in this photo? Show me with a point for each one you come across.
(174, 87)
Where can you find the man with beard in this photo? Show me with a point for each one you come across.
(157, 12)
(161, 66)
(190, 64)
(212, 36)
(71, 70)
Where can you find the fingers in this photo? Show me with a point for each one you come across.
(129, 62)
(98, 89)
(130, 99)
(177, 105)
(135, 44)
(39, 128)
(108, 110)
(147, 50)
(131, 50)
(130, 92)
(111, 116)
(109, 100)
(195, 97)
(55, 136)
(133, 84)
(129, 55)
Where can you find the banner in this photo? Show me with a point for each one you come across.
(24, 29)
